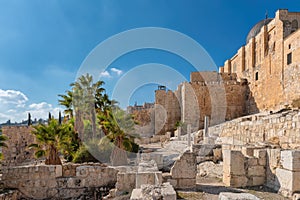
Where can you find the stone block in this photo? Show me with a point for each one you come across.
(237, 196)
(290, 159)
(252, 161)
(288, 180)
(217, 154)
(151, 178)
(258, 180)
(164, 191)
(256, 171)
(235, 181)
(158, 158)
(186, 183)
(261, 154)
(273, 160)
(168, 192)
(233, 163)
(248, 150)
(126, 181)
(136, 194)
(82, 171)
(58, 171)
(296, 196)
(173, 182)
(185, 166)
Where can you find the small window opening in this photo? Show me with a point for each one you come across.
(289, 58)
(256, 76)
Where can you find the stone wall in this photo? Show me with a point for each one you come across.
(56, 181)
(253, 166)
(217, 95)
(17, 152)
(244, 168)
(279, 128)
(291, 75)
(263, 62)
(167, 111)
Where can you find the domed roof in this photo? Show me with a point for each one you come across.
(256, 29)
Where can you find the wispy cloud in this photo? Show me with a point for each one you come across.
(117, 71)
(105, 74)
(113, 72)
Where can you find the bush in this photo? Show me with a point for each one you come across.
(83, 155)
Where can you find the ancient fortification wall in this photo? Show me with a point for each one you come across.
(167, 111)
(17, 152)
(263, 61)
(217, 95)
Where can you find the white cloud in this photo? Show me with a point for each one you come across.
(113, 71)
(14, 107)
(41, 110)
(117, 71)
(105, 74)
(12, 97)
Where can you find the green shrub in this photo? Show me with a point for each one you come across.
(83, 155)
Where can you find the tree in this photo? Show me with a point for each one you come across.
(52, 139)
(67, 102)
(114, 124)
(94, 113)
(3, 138)
(87, 97)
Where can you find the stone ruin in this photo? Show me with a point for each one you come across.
(276, 168)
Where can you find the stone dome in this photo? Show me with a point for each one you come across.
(256, 29)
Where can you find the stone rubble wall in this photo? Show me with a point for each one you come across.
(281, 128)
(56, 181)
(17, 152)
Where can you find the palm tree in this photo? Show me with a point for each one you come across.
(67, 102)
(51, 139)
(110, 124)
(86, 98)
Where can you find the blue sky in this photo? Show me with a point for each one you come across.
(43, 43)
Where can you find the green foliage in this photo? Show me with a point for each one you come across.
(83, 155)
(109, 122)
(95, 116)
(178, 124)
(66, 101)
(3, 138)
(54, 138)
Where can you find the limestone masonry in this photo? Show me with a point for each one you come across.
(262, 76)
